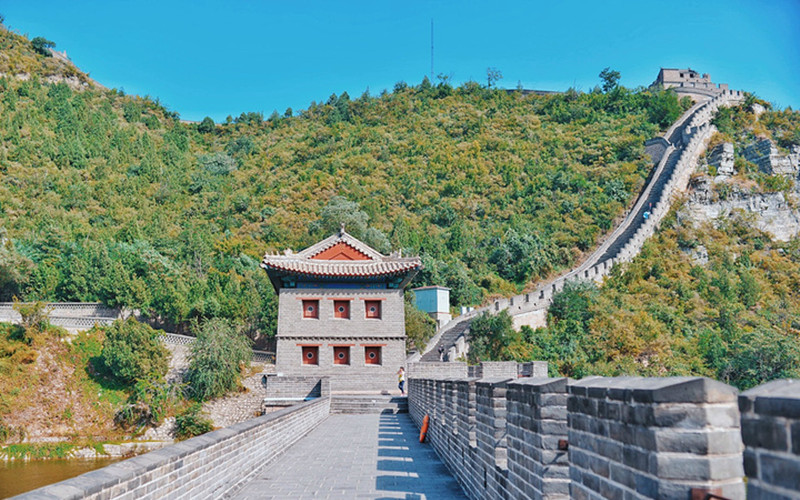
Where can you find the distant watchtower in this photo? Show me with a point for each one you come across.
(688, 81)
(341, 312)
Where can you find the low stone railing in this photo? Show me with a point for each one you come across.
(623, 437)
(210, 466)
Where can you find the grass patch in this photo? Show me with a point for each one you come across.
(36, 451)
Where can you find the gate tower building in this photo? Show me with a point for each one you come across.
(341, 312)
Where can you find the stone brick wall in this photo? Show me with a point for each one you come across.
(292, 324)
(293, 387)
(358, 375)
(206, 467)
(654, 438)
(436, 369)
(538, 465)
(625, 437)
(771, 434)
(492, 369)
(533, 369)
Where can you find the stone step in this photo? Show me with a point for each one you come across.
(360, 404)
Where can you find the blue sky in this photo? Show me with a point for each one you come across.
(204, 58)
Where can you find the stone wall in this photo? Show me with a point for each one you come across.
(209, 466)
(296, 387)
(436, 369)
(654, 438)
(533, 369)
(625, 437)
(492, 369)
(684, 141)
(356, 376)
(771, 433)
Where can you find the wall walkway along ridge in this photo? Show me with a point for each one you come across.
(686, 140)
(616, 438)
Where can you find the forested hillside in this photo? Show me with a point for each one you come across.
(721, 299)
(105, 196)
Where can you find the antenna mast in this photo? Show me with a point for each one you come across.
(431, 50)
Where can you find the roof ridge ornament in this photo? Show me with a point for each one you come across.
(341, 230)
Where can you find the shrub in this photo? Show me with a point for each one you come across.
(419, 326)
(216, 360)
(147, 405)
(133, 352)
(42, 45)
(192, 423)
(34, 317)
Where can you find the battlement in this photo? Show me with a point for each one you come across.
(622, 437)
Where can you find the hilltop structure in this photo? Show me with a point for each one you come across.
(688, 81)
(341, 312)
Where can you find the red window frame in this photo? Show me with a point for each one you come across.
(372, 355)
(372, 309)
(341, 309)
(310, 355)
(311, 308)
(341, 355)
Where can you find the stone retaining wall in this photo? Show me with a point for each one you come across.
(623, 437)
(298, 387)
(206, 467)
(771, 433)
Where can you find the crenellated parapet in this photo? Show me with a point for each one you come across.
(619, 437)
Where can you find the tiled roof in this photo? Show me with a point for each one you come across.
(362, 268)
(377, 265)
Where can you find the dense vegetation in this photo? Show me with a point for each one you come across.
(108, 197)
(721, 300)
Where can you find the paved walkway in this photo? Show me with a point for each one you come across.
(357, 456)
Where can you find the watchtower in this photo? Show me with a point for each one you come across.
(341, 312)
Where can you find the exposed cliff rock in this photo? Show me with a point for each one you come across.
(715, 200)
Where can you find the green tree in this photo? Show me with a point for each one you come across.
(490, 335)
(133, 352)
(610, 79)
(42, 45)
(206, 126)
(339, 210)
(493, 75)
(192, 422)
(419, 326)
(216, 361)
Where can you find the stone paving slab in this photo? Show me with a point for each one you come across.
(356, 456)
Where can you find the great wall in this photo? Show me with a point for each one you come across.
(500, 436)
(675, 156)
(502, 429)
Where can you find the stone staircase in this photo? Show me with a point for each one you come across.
(447, 339)
(372, 403)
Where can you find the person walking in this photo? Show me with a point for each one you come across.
(401, 380)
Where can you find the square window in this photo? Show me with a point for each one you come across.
(341, 309)
(311, 355)
(341, 355)
(372, 355)
(311, 309)
(373, 308)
